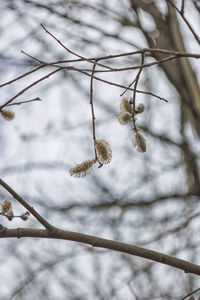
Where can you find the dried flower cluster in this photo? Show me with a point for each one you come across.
(127, 115)
(7, 209)
(7, 114)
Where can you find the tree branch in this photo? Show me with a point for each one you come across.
(94, 241)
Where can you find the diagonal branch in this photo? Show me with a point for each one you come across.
(181, 13)
(40, 219)
(29, 86)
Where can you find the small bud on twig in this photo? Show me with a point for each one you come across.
(25, 216)
(140, 108)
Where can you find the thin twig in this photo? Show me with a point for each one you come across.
(26, 101)
(21, 76)
(182, 7)
(134, 92)
(186, 21)
(70, 51)
(40, 219)
(119, 85)
(127, 89)
(29, 86)
(97, 78)
(92, 109)
(109, 69)
(14, 216)
(190, 294)
(32, 57)
(144, 50)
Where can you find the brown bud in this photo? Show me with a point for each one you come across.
(25, 216)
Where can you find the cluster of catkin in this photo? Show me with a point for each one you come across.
(126, 116)
(104, 156)
(103, 149)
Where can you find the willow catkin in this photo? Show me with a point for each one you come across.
(7, 114)
(6, 206)
(82, 169)
(139, 142)
(125, 106)
(104, 151)
(124, 118)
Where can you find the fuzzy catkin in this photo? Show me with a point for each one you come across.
(104, 151)
(124, 118)
(7, 114)
(139, 142)
(82, 169)
(125, 106)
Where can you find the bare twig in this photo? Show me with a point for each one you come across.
(22, 76)
(70, 51)
(100, 79)
(127, 89)
(14, 216)
(119, 85)
(29, 86)
(92, 108)
(182, 7)
(134, 92)
(26, 101)
(190, 294)
(186, 21)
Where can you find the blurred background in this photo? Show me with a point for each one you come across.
(150, 200)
